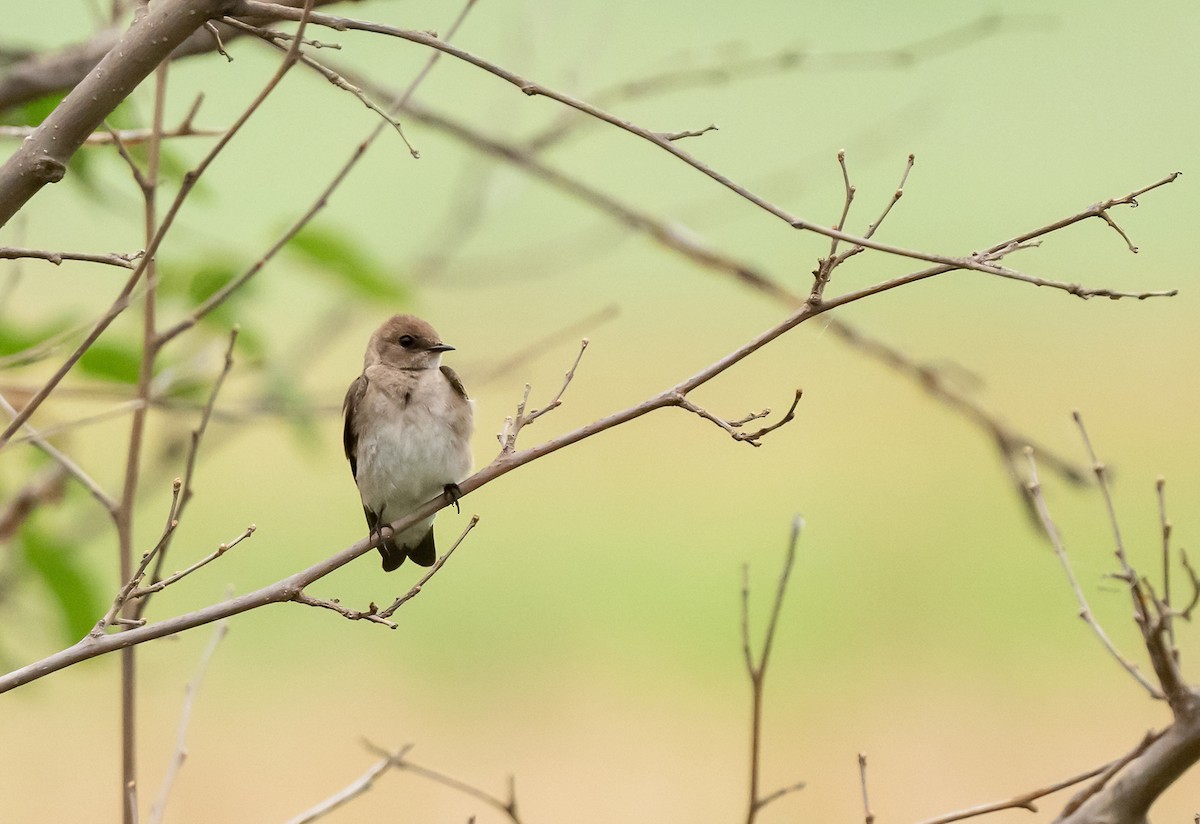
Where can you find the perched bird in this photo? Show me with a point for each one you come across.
(407, 433)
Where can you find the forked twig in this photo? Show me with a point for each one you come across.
(515, 423)
(1085, 612)
(1025, 801)
(757, 672)
(373, 613)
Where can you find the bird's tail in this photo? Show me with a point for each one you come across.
(394, 553)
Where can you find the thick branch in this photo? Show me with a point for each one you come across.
(43, 157)
(1127, 798)
(43, 74)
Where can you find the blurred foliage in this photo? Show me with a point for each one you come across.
(338, 255)
(117, 361)
(55, 562)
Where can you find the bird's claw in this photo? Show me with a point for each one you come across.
(453, 494)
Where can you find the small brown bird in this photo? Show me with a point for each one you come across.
(407, 433)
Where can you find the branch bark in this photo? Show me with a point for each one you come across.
(43, 74)
(43, 157)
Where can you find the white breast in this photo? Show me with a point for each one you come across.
(407, 451)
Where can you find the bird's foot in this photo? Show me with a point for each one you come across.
(453, 494)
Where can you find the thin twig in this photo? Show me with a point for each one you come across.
(868, 815)
(509, 363)
(1161, 652)
(185, 718)
(980, 262)
(122, 300)
(273, 38)
(354, 789)
(723, 71)
(159, 586)
(514, 424)
(221, 295)
(183, 488)
(373, 613)
(1165, 528)
(757, 672)
(69, 466)
(110, 259)
(1024, 801)
(509, 808)
(1085, 612)
(1106, 773)
(734, 428)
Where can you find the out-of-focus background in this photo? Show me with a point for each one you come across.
(585, 639)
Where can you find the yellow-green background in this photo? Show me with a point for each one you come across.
(586, 637)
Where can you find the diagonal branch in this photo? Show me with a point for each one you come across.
(979, 262)
(42, 158)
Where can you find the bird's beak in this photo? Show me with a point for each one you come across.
(441, 347)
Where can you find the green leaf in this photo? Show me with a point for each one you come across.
(15, 338)
(33, 112)
(209, 278)
(338, 255)
(118, 362)
(56, 564)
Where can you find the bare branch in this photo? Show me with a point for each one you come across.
(1085, 612)
(966, 36)
(381, 616)
(1166, 665)
(983, 262)
(109, 259)
(371, 613)
(670, 136)
(42, 158)
(189, 182)
(221, 295)
(353, 790)
(734, 428)
(183, 486)
(1024, 801)
(438, 564)
(509, 808)
(757, 672)
(185, 719)
(868, 816)
(159, 586)
(514, 424)
(69, 466)
(43, 488)
(275, 39)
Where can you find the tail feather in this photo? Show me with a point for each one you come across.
(424, 553)
(394, 553)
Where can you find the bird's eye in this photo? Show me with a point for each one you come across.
(407, 341)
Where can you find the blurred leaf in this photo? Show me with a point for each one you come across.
(337, 254)
(56, 564)
(203, 280)
(33, 112)
(209, 278)
(15, 338)
(118, 362)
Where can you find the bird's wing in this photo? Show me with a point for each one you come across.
(455, 381)
(350, 408)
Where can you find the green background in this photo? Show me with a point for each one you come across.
(586, 637)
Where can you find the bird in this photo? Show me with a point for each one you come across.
(407, 434)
